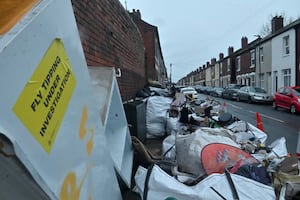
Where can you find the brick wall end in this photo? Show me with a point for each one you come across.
(110, 38)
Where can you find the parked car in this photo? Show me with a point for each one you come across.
(230, 92)
(189, 92)
(287, 97)
(207, 90)
(253, 94)
(199, 88)
(216, 92)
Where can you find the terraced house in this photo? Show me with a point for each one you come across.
(268, 62)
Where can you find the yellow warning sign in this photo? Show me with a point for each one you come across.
(45, 98)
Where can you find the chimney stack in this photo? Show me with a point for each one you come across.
(221, 56)
(230, 51)
(207, 64)
(136, 13)
(213, 61)
(244, 42)
(277, 23)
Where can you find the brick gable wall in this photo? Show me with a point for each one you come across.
(110, 38)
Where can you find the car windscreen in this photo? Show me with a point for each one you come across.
(297, 91)
(187, 90)
(259, 90)
(238, 86)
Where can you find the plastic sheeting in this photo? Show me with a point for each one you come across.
(243, 131)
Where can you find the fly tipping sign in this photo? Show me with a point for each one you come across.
(48, 109)
(44, 100)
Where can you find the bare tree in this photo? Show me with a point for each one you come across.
(267, 27)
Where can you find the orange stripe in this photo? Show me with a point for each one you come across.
(11, 11)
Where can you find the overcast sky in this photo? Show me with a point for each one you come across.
(194, 31)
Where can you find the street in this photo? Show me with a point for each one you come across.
(277, 123)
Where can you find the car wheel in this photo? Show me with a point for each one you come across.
(274, 105)
(249, 100)
(293, 109)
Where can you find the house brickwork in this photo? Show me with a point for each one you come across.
(110, 38)
(155, 67)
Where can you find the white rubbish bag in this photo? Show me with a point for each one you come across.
(154, 184)
(156, 115)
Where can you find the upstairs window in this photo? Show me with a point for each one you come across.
(261, 54)
(221, 67)
(286, 45)
(252, 57)
(228, 64)
(238, 63)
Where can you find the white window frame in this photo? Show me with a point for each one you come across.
(262, 80)
(286, 45)
(238, 63)
(252, 79)
(252, 58)
(221, 67)
(228, 64)
(286, 77)
(261, 54)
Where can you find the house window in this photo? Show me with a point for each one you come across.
(286, 45)
(262, 80)
(252, 57)
(261, 54)
(286, 77)
(221, 68)
(252, 79)
(238, 63)
(228, 64)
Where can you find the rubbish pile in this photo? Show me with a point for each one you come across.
(207, 153)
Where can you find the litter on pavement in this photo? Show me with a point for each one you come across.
(207, 153)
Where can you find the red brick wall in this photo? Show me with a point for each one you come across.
(245, 63)
(110, 38)
(148, 32)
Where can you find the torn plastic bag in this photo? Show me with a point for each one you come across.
(245, 131)
(154, 183)
(156, 115)
(278, 148)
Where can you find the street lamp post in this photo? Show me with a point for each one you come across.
(171, 73)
